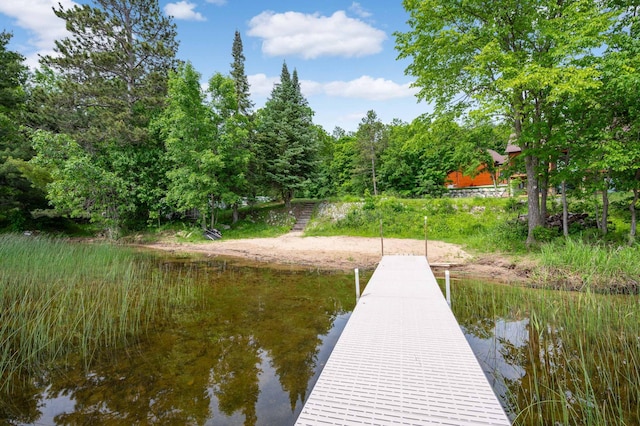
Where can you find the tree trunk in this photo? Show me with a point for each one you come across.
(544, 193)
(597, 212)
(287, 195)
(533, 198)
(236, 213)
(373, 172)
(605, 208)
(632, 208)
(213, 212)
(565, 210)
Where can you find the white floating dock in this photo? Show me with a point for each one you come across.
(402, 359)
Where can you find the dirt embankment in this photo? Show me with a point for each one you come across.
(347, 253)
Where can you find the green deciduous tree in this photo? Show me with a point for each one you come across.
(323, 184)
(610, 127)
(419, 155)
(186, 126)
(372, 139)
(516, 59)
(73, 187)
(231, 141)
(205, 143)
(287, 137)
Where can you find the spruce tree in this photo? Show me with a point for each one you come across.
(239, 77)
(287, 137)
(244, 143)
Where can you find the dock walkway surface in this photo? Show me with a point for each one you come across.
(402, 359)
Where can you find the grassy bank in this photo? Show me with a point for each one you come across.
(489, 225)
(60, 299)
(481, 224)
(574, 265)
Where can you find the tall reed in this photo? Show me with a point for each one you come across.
(576, 354)
(59, 299)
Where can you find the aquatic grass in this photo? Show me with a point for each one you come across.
(577, 353)
(61, 299)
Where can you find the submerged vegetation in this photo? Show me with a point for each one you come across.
(60, 299)
(556, 357)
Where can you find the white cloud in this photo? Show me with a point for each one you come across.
(351, 119)
(312, 36)
(183, 10)
(310, 87)
(42, 25)
(365, 87)
(359, 10)
(261, 85)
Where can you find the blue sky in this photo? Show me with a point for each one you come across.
(343, 50)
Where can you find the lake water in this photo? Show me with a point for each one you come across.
(248, 353)
(250, 350)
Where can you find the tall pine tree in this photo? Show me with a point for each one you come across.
(240, 78)
(287, 137)
(241, 126)
(112, 76)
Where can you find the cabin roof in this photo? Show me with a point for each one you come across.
(498, 159)
(512, 149)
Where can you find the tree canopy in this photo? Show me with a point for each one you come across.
(110, 78)
(17, 198)
(116, 130)
(515, 60)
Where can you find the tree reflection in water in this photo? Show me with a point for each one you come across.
(248, 354)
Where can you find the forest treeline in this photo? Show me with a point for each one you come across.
(115, 129)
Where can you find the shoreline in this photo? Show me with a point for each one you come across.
(340, 253)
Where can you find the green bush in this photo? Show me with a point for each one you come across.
(545, 235)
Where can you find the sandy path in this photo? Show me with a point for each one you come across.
(346, 253)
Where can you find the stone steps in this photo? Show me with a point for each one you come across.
(304, 216)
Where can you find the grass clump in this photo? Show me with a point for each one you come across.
(574, 265)
(261, 222)
(558, 357)
(60, 299)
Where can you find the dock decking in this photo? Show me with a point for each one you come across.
(402, 359)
